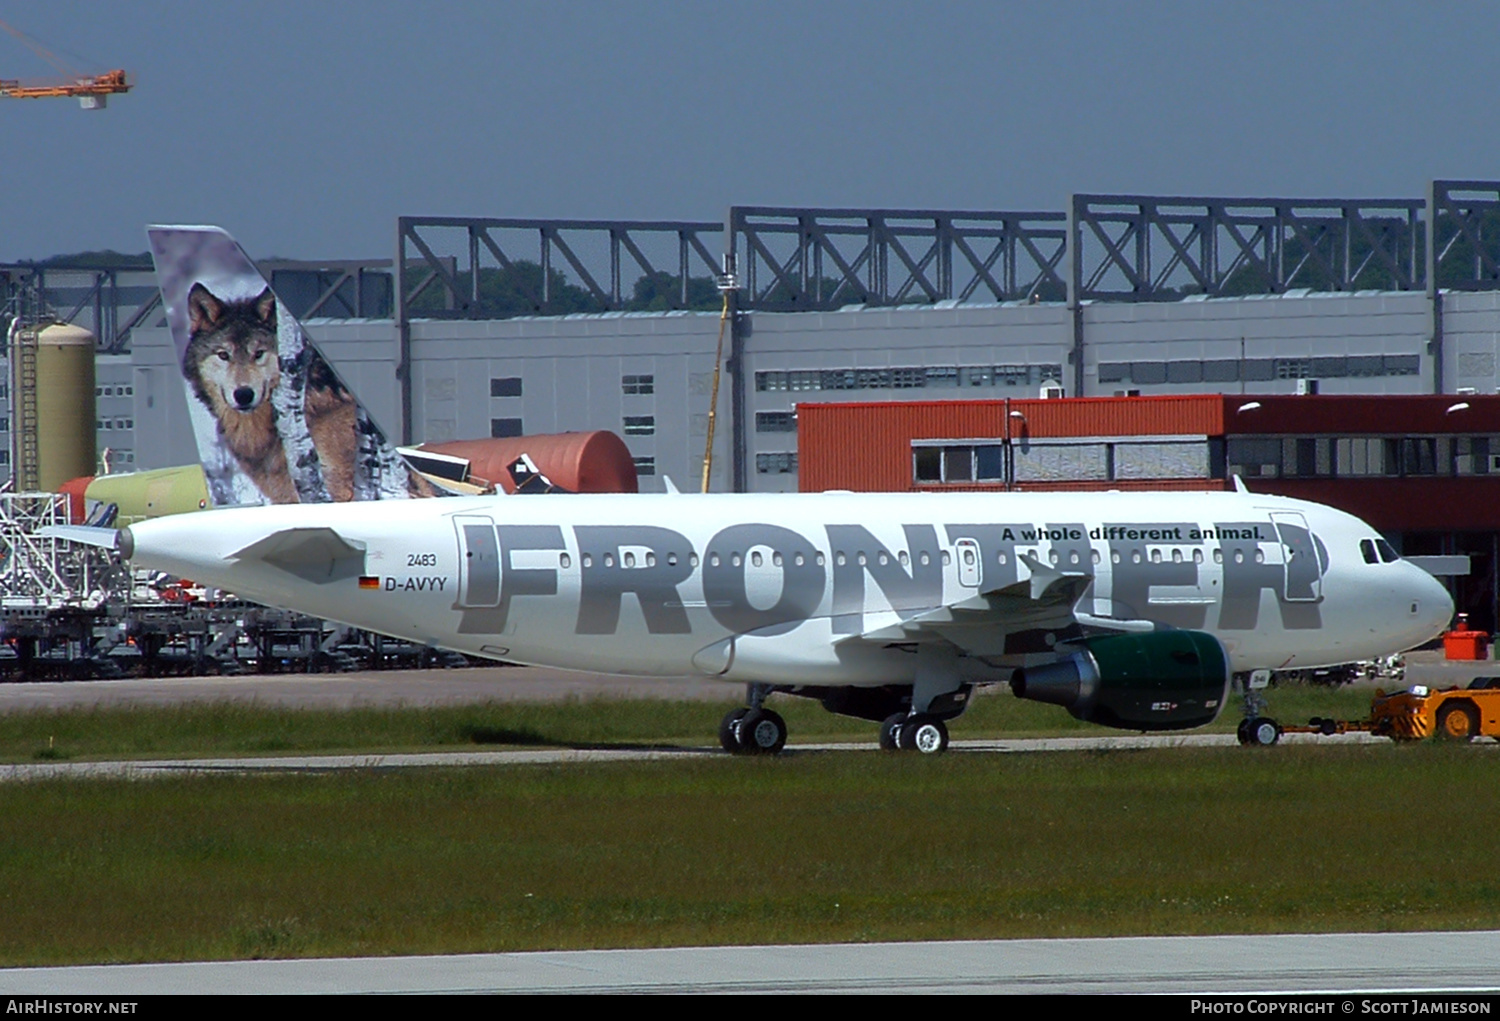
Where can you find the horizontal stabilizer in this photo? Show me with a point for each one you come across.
(314, 554)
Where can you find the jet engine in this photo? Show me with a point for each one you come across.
(1164, 680)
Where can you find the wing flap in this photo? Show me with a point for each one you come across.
(1023, 619)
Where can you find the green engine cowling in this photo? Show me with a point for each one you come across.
(1163, 680)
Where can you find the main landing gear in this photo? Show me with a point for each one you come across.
(754, 729)
(1256, 729)
(921, 732)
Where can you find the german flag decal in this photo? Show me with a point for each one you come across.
(367, 581)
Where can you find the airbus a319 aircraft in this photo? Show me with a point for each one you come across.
(1132, 610)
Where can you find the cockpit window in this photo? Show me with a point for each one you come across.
(1387, 554)
(1367, 550)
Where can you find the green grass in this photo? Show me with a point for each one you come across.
(815, 847)
(244, 728)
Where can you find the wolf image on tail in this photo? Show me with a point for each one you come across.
(274, 422)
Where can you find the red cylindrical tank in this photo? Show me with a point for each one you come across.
(591, 462)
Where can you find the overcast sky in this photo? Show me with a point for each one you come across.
(306, 128)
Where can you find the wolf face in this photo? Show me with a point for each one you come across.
(231, 356)
(232, 365)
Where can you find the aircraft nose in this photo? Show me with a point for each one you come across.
(1431, 607)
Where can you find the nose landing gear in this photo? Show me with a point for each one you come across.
(1256, 729)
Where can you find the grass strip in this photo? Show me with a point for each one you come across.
(811, 848)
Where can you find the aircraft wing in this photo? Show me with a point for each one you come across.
(1025, 618)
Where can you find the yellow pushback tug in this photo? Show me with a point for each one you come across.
(1452, 714)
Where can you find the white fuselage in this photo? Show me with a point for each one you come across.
(779, 588)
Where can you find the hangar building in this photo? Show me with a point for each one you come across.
(484, 327)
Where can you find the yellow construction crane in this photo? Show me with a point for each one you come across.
(92, 90)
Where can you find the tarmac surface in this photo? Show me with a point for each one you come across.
(368, 688)
(1341, 965)
(485, 684)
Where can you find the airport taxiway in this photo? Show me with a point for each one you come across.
(1340, 965)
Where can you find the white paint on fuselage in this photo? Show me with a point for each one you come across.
(1363, 610)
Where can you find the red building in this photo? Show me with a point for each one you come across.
(1424, 469)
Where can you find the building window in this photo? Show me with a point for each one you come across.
(775, 421)
(640, 425)
(776, 464)
(645, 465)
(502, 427)
(969, 462)
(638, 384)
(906, 378)
(507, 386)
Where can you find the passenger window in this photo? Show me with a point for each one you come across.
(563, 560)
(755, 558)
(946, 558)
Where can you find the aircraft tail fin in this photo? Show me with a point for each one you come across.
(273, 421)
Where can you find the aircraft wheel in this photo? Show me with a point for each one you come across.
(1457, 723)
(1263, 731)
(727, 730)
(890, 732)
(1243, 731)
(761, 732)
(926, 734)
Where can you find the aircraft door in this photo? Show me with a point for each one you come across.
(478, 560)
(1303, 576)
(966, 554)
